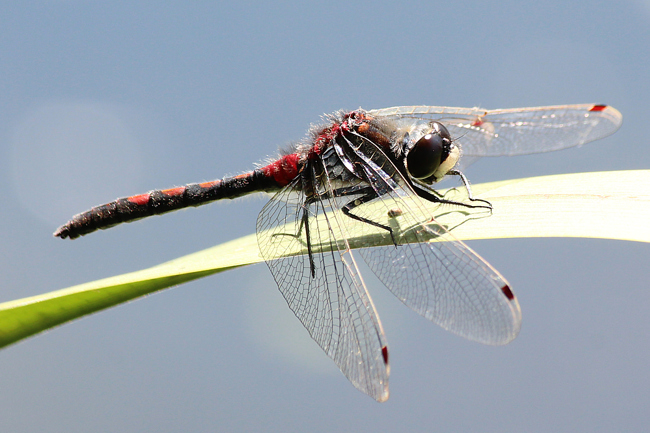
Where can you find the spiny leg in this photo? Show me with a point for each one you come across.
(369, 194)
(341, 192)
(427, 195)
(467, 187)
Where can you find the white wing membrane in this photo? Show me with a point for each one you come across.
(444, 281)
(306, 230)
(518, 131)
(324, 289)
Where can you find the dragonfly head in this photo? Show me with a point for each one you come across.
(430, 157)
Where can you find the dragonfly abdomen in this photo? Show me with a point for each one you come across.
(158, 202)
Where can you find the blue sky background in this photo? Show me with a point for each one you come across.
(105, 99)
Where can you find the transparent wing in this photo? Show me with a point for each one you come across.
(518, 131)
(324, 288)
(429, 270)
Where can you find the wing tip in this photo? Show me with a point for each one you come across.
(612, 113)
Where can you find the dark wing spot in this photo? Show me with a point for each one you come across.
(384, 353)
(506, 291)
(599, 107)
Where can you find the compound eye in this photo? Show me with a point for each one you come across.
(442, 131)
(426, 155)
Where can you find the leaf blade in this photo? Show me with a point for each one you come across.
(606, 205)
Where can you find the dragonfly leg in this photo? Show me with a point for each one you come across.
(341, 192)
(435, 198)
(369, 194)
(304, 221)
(467, 187)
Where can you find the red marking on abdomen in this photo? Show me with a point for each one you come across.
(477, 122)
(140, 200)
(598, 108)
(209, 184)
(284, 170)
(174, 191)
(506, 291)
(384, 353)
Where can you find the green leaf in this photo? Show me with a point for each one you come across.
(609, 205)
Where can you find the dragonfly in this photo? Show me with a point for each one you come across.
(363, 180)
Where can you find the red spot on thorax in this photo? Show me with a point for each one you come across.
(174, 191)
(477, 122)
(140, 200)
(598, 107)
(374, 135)
(285, 169)
(325, 136)
(329, 133)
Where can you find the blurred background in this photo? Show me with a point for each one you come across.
(101, 100)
